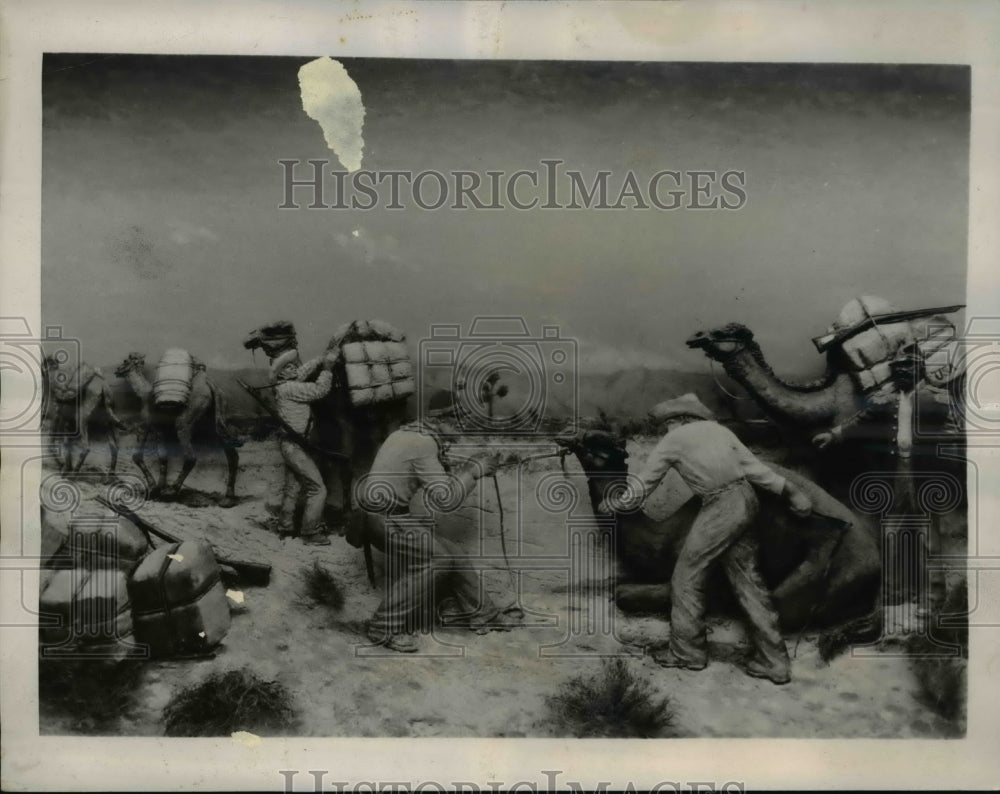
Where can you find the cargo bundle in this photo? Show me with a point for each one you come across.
(85, 608)
(179, 604)
(376, 361)
(106, 541)
(172, 385)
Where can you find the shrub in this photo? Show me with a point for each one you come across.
(321, 587)
(939, 668)
(614, 703)
(91, 694)
(228, 702)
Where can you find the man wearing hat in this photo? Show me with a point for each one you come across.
(410, 464)
(723, 472)
(292, 398)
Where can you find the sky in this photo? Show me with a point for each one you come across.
(161, 186)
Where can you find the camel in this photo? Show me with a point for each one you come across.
(807, 407)
(202, 416)
(822, 574)
(354, 433)
(80, 402)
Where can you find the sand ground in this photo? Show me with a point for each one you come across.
(494, 685)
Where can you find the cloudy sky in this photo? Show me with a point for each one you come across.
(161, 185)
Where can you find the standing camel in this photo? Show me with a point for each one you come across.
(202, 417)
(354, 432)
(79, 401)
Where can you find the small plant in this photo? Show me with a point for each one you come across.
(91, 695)
(939, 659)
(225, 703)
(614, 703)
(321, 587)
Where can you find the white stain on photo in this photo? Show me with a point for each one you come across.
(333, 99)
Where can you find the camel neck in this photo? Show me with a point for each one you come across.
(781, 400)
(138, 382)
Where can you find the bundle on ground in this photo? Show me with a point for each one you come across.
(614, 703)
(228, 702)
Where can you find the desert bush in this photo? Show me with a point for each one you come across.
(938, 658)
(321, 587)
(228, 702)
(90, 695)
(614, 703)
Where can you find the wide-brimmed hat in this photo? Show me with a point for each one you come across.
(685, 405)
(282, 361)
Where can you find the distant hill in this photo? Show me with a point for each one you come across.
(628, 394)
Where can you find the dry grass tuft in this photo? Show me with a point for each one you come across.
(614, 703)
(939, 659)
(228, 702)
(322, 587)
(91, 695)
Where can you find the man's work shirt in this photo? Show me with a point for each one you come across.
(407, 462)
(292, 398)
(707, 456)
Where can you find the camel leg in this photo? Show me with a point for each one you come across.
(87, 408)
(113, 449)
(161, 452)
(233, 461)
(184, 436)
(139, 459)
(109, 406)
(347, 484)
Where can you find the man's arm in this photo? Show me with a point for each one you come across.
(757, 472)
(763, 476)
(301, 392)
(660, 461)
(446, 491)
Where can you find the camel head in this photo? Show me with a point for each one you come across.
(132, 362)
(602, 457)
(600, 452)
(723, 343)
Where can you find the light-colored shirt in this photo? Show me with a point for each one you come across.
(707, 456)
(292, 398)
(408, 462)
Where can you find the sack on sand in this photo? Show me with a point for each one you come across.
(178, 600)
(80, 606)
(106, 540)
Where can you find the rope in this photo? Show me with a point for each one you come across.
(723, 389)
(875, 325)
(514, 606)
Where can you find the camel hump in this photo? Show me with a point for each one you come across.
(173, 378)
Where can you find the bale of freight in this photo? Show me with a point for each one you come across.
(173, 378)
(85, 607)
(179, 604)
(377, 370)
(106, 540)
